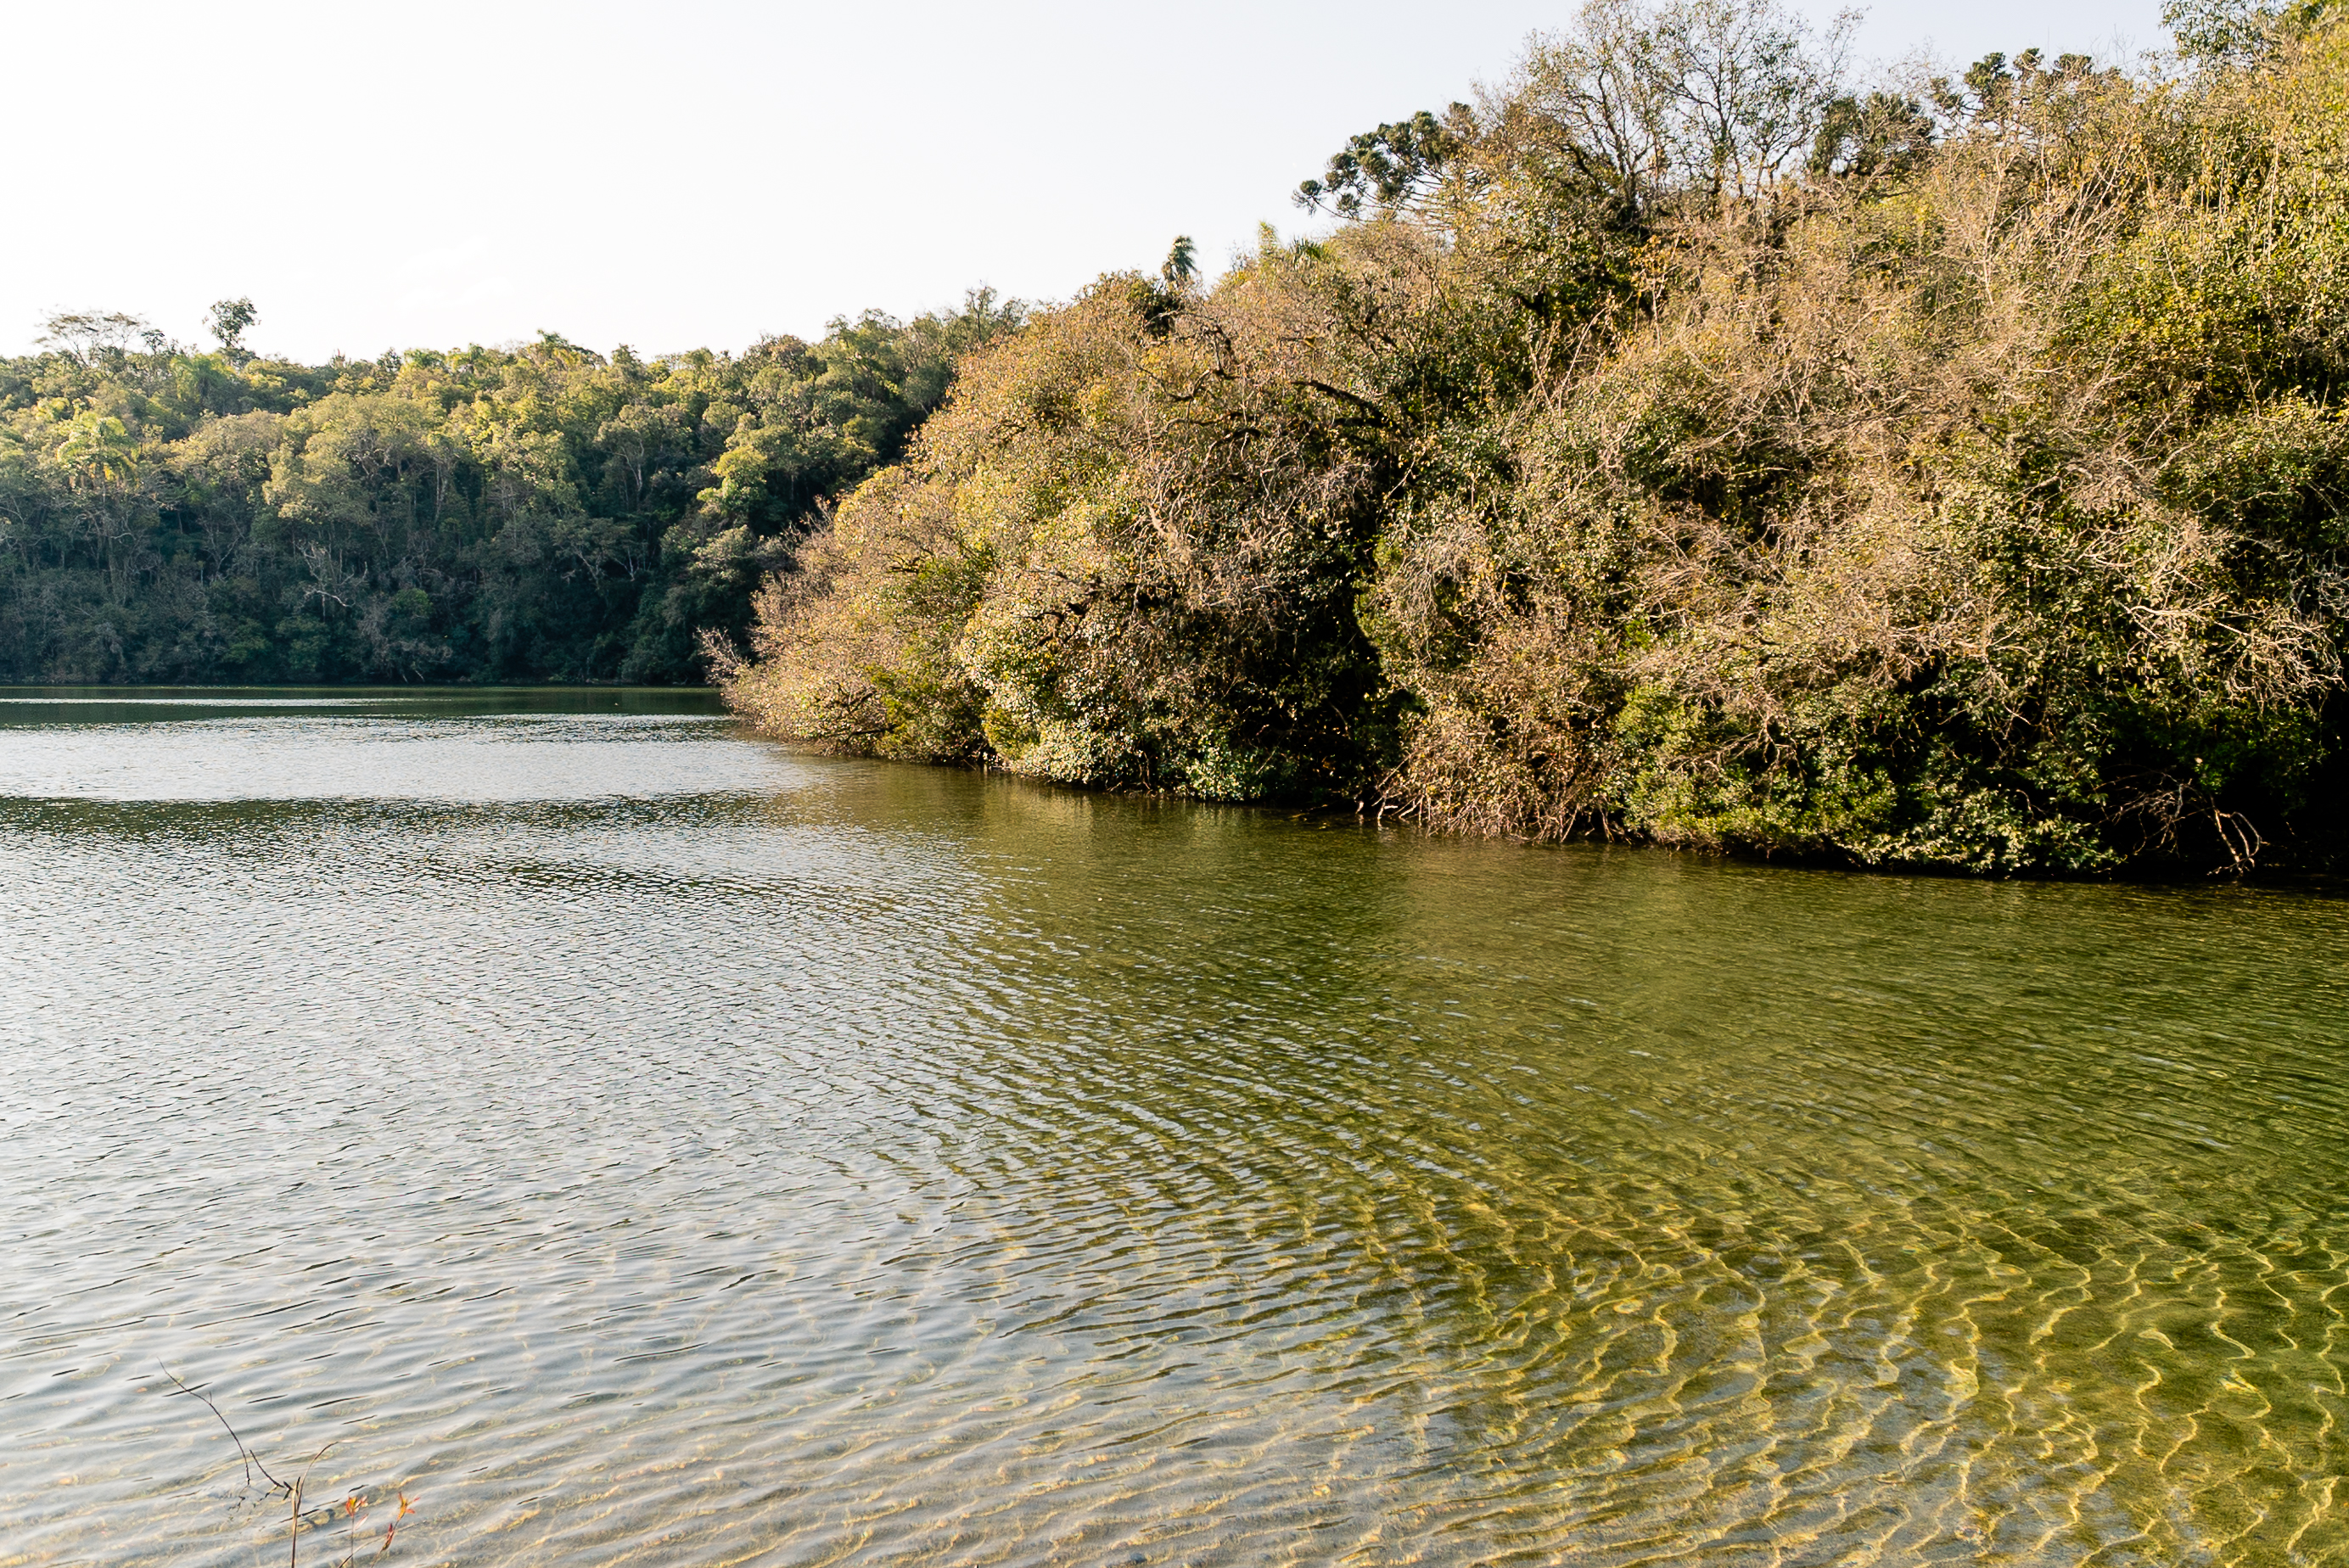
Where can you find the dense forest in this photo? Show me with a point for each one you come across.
(1680, 442)
(528, 513)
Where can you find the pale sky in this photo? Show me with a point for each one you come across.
(699, 172)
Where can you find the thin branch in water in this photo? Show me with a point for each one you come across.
(252, 1461)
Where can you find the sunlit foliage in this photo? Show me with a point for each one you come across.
(1684, 443)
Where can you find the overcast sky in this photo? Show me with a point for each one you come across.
(702, 172)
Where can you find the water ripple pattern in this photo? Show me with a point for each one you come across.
(647, 1145)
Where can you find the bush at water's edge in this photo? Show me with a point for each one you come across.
(1948, 478)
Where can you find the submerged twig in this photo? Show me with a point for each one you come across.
(292, 1491)
(252, 1461)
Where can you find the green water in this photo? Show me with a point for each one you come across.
(646, 1144)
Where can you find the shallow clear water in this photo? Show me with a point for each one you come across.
(647, 1145)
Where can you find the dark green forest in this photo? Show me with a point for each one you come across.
(529, 513)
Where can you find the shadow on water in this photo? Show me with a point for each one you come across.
(45, 707)
(671, 1149)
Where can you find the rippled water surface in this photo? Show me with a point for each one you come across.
(643, 1145)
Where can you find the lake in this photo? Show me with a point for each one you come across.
(643, 1144)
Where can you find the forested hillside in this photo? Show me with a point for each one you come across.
(1680, 442)
(519, 514)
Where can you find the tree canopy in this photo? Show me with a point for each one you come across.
(538, 511)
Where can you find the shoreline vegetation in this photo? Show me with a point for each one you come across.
(1685, 442)
(1681, 444)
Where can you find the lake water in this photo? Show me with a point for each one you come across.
(645, 1144)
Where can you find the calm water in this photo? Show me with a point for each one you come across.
(647, 1145)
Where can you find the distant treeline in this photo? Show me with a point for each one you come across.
(514, 514)
(1680, 443)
